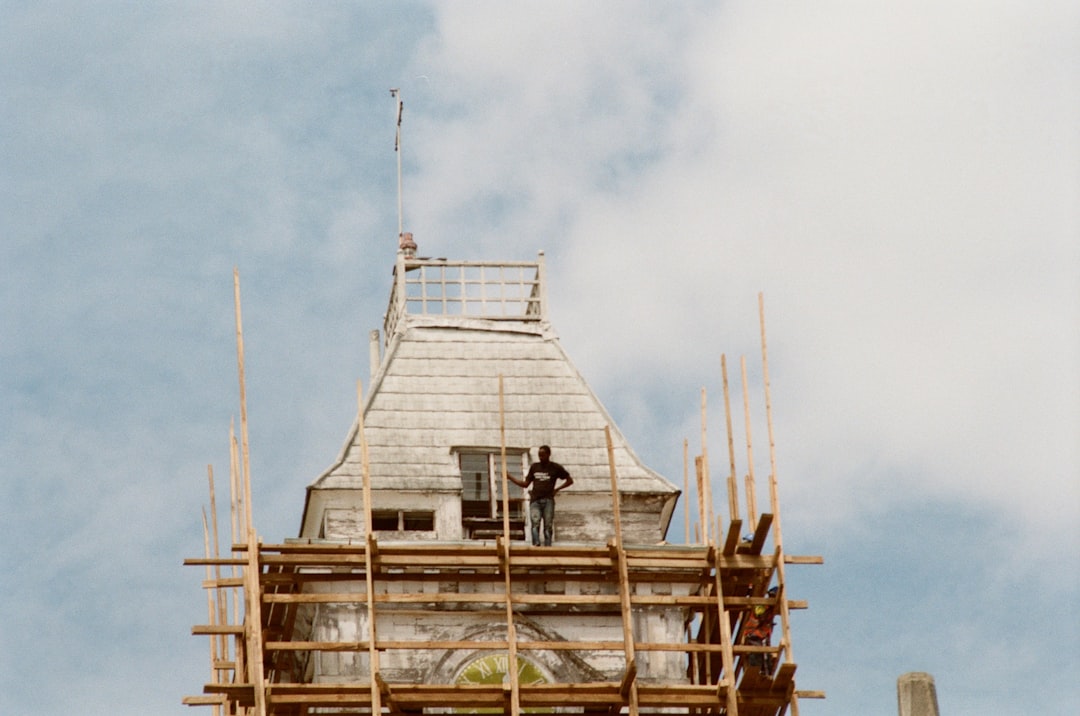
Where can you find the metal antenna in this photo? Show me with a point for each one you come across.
(396, 94)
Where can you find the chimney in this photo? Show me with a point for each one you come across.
(373, 353)
(407, 245)
(916, 694)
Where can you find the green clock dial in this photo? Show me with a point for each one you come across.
(494, 669)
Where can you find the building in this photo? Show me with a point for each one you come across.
(412, 586)
(435, 430)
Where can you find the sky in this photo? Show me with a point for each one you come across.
(899, 181)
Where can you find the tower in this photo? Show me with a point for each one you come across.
(410, 587)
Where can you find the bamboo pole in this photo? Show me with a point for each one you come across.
(219, 594)
(502, 458)
(751, 489)
(694, 677)
(504, 552)
(234, 526)
(215, 674)
(245, 451)
(616, 508)
(253, 628)
(253, 624)
(369, 562)
(705, 490)
(511, 635)
(365, 476)
(773, 494)
(705, 477)
(686, 489)
(236, 492)
(727, 654)
(732, 486)
(699, 471)
(629, 687)
(774, 500)
(234, 508)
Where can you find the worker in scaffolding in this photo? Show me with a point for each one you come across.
(757, 631)
(544, 477)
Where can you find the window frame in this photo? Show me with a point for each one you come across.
(380, 519)
(492, 489)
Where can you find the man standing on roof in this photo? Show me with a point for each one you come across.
(543, 477)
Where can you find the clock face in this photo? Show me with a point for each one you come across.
(493, 669)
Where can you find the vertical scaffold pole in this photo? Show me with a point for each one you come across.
(726, 685)
(219, 593)
(235, 521)
(686, 488)
(628, 688)
(732, 485)
(504, 555)
(370, 547)
(751, 490)
(214, 657)
(706, 479)
(778, 540)
(252, 593)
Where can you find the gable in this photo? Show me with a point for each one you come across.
(438, 391)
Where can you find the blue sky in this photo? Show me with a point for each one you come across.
(901, 183)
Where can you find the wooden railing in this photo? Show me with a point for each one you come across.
(497, 291)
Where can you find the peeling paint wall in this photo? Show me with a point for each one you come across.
(347, 523)
(590, 519)
(427, 623)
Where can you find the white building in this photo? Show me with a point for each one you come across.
(411, 587)
(436, 434)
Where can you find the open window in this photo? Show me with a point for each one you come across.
(402, 521)
(481, 491)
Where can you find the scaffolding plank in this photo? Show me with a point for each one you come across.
(803, 559)
(216, 629)
(294, 568)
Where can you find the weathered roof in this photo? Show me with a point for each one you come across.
(437, 390)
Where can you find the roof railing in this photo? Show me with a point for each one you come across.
(489, 290)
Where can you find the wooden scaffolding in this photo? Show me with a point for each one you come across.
(258, 594)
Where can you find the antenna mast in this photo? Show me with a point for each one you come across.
(405, 240)
(396, 94)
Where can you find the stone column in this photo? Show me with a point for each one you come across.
(916, 694)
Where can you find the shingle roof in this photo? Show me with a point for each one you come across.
(438, 389)
(452, 330)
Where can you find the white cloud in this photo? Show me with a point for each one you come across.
(900, 182)
(901, 196)
(545, 105)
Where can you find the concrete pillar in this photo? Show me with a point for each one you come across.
(916, 694)
(373, 355)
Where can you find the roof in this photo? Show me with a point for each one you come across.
(453, 330)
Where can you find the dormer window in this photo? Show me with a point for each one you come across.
(481, 491)
(402, 521)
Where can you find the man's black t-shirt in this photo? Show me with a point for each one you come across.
(543, 478)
